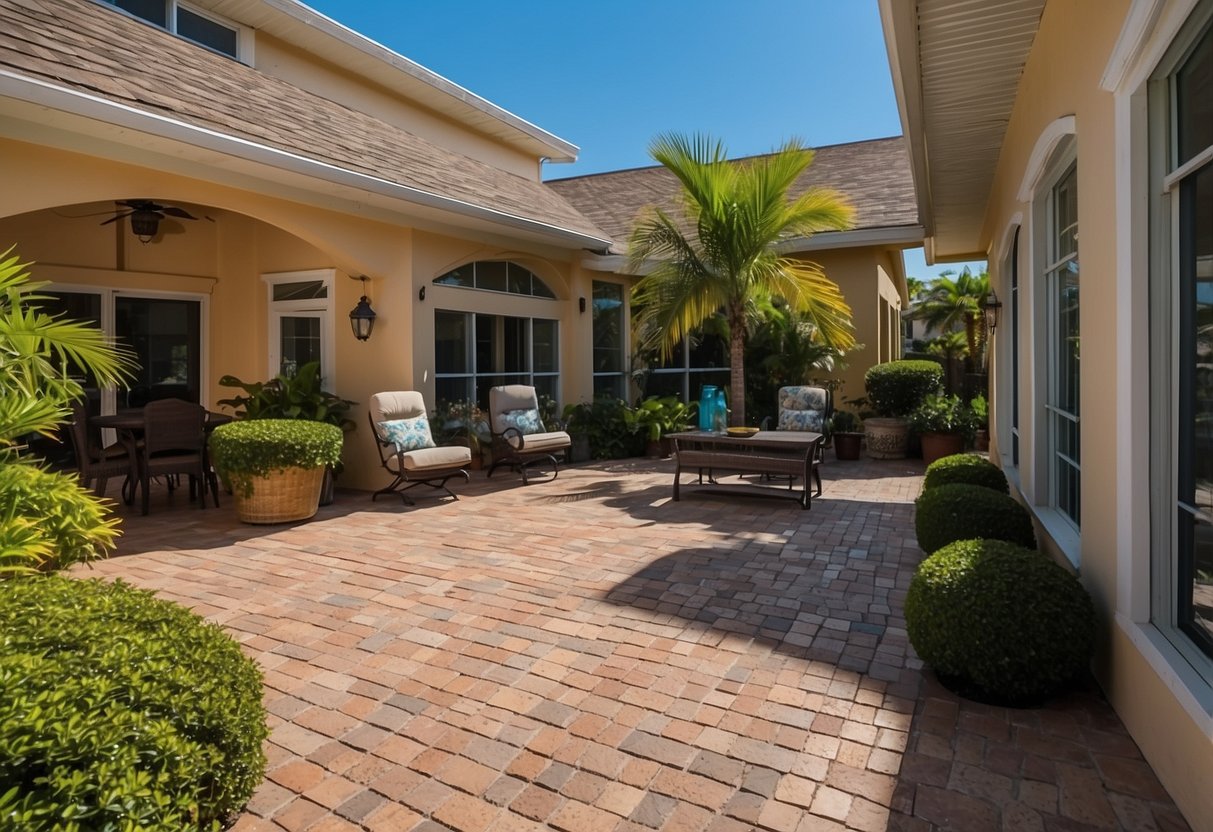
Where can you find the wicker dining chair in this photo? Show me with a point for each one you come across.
(174, 442)
(97, 462)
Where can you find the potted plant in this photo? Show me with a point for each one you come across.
(846, 430)
(295, 396)
(981, 417)
(895, 389)
(944, 424)
(659, 416)
(462, 422)
(275, 466)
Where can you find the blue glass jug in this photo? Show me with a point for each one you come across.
(707, 406)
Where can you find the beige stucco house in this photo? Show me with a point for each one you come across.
(285, 158)
(1049, 135)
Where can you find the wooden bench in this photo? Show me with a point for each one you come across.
(791, 454)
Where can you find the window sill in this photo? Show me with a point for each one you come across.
(1190, 685)
(1061, 530)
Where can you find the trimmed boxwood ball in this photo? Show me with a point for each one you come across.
(960, 511)
(895, 388)
(999, 622)
(965, 468)
(119, 710)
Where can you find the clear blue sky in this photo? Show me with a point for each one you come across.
(610, 76)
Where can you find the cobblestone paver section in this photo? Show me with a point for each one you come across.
(586, 655)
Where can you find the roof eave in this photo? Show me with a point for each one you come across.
(44, 94)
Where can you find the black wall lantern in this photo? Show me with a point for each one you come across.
(990, 307)
(362, 317)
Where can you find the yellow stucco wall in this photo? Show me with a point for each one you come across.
(1061, 80)
(49, 194)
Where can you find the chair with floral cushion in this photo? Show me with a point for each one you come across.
(407, 451)
(520, 439)
(805, 408)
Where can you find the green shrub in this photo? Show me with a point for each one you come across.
(960, 511)
(1000, 622)
(965, 468)
(298, 395)
(943, 414)
(255, 447)
(895, 388)
(49, 521)
(610, 426)
(121, 711)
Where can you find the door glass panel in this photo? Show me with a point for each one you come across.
(516, 349)
(608, 327)
(544, 334)
(300, 342)
(73, 306)
(165, 336)
(451, 342)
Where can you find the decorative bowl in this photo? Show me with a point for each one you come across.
(742, 432)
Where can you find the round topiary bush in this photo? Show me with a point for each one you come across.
(959, 511)
(119, 710)
(896, 388)
(251, 448)
(965, 468)
(1000, 623)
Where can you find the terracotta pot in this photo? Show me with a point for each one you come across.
(847, 445)
(938, 445)
(981, 442)
(886, 437)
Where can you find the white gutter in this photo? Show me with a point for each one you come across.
(898, 19)
(41, 93)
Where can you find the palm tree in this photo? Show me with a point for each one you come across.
(956, 304)
(725, 257)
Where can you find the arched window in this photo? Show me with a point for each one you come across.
(497, 276)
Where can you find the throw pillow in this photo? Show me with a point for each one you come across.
(810, 420)
(525, 420)
(408, 434)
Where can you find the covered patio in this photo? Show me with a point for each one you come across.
(587, 655)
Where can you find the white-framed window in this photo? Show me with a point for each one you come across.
(194, 24)
(301, 325)
(688, 370)
(474, 351)
(1181, 365)
(1055, 217)
(1011, 270)
(610, 340)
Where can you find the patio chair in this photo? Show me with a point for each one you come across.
(406, 449)
(805, 408)
(95, 461)
(520, 439)
(174, 442)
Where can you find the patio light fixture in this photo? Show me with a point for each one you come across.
(362, 316)
(990, 307)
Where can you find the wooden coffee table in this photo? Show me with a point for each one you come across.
(791, 454)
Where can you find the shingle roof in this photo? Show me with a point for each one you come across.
(874, 174)
(89, 48)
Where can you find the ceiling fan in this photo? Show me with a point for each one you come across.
(145, 216)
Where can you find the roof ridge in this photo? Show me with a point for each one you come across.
(733, 159)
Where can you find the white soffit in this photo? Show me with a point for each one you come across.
(308, 29)
(971, 54)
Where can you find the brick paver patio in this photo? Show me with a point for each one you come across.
(586, 655)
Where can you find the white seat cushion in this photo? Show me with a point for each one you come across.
(446, 456)
(553, 441)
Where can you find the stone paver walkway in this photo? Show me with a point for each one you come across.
(586, 655)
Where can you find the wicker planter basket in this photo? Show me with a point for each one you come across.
(282, 496)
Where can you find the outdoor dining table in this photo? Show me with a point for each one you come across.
(791, 454)
(129, 424)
